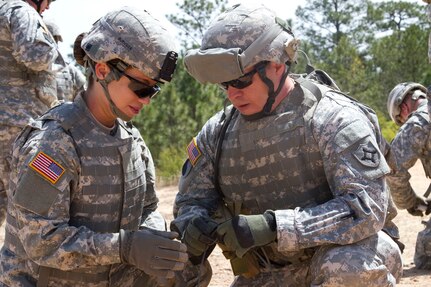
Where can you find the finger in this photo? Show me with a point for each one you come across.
(171, 255)
(195, 251)
(165, 234)
(163, 264)
(161, 273)
(164, 282)
(174, 245)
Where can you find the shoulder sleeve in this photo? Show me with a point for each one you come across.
(33, 45)
(44, 170)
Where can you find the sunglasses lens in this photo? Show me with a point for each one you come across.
(141, 89)
(242, 82)
(147, 92)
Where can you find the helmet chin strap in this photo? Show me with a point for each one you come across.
(104, 83)
(271, 94)
(112, 105)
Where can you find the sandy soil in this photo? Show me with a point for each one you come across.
(409, 227)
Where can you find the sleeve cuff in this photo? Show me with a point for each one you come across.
(286, 235)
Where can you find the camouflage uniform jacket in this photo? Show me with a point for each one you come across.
(70, 81)
(412, 142)
(318, 164)
(65, 215)
(27, 52)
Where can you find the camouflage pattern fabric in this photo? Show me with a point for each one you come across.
(27, 86)
(41, 200)
(422, 257)
(333, 137)
(410, 144)
(70, 81)
(7, 136)
(144, 45)
(27, 54)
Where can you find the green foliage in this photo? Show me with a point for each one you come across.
(170, 161)
(194, 19)
(388, 127)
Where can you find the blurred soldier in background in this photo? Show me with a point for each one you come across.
(407, 107)
(290, 180)
(27, 82)
(83, 208)
(70, 80)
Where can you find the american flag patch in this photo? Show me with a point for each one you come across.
(193, 151)
(47, 167)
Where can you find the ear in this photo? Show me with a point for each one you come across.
(102, 70)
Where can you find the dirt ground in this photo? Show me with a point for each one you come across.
(409, 227)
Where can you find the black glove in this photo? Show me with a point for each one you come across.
(419, 207)
(153, 251)
(200, 237)
(243, 232)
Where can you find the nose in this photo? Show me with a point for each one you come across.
(145, 101)
(233, 92)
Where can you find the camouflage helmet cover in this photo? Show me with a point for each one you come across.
(132, 36)
(255, 32)
(397, 95)
(53, 28)
(240, 26)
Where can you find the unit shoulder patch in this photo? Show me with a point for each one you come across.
(48, 168)
(367, 154)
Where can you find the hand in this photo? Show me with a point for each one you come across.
(154, 252)
(243, 232)
(420, 206)
(199, 235)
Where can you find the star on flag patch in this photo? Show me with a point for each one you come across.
(47, 167)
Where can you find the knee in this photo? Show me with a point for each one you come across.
(359, 264)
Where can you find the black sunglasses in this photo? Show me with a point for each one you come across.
(245, 80)
(141, 89)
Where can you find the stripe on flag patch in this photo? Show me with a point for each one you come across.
(47, 167)
(193, 151)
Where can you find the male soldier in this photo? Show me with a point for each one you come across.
(294, 163)
(70, 80)
(407, 107)
(27, 84)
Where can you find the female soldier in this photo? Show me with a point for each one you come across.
(82, 206)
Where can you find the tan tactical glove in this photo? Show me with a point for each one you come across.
(153, 251)
(243, 232)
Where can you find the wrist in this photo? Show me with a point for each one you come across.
(269, 216)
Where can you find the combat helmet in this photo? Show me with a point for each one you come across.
(134, 38)
(397, 95)
(241, 37)
(53, 29)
